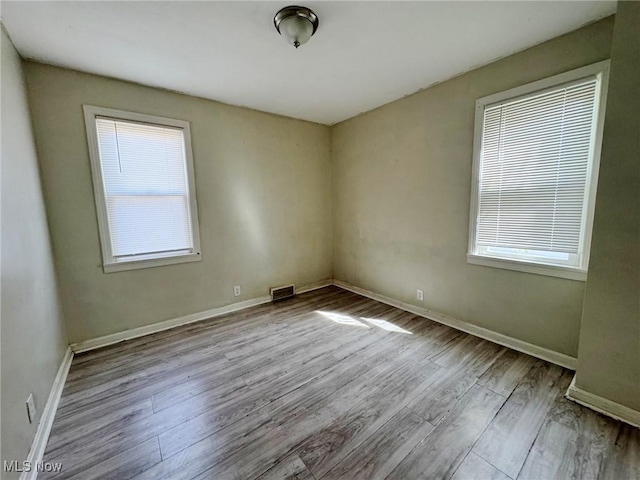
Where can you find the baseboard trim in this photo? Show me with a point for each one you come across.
(36, 453)
(530, 349)
(118, 337)
(602, 405)
(519, 345)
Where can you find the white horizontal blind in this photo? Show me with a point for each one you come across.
(534, 167)
(146, 188)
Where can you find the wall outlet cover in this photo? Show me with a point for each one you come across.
(419, 294)
(237, 291)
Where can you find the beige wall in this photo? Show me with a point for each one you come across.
(609, 356)
(263, 191)
(33, 333)
(402, 182)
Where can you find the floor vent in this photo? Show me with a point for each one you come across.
(280, 293)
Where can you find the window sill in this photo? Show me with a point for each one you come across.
(570, 273)
(150, 262)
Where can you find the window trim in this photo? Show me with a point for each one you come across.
(109, 263)
(599, 69)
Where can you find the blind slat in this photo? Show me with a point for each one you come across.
(534, 169)
(146, 188)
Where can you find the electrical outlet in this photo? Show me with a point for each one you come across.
(236, 291)
(419, 294)
(31, 408)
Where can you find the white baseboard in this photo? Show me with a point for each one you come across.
(519, 345)
(48, 414)
(530, 349)
(315, 286)
(110, 339)
(602, 405)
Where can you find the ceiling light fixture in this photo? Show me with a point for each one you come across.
(296, 24)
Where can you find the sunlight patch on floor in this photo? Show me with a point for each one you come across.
(343, 319)
(385, 325)
(376, 322)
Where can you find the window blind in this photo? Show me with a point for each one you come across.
(534, 166)
(146, 188)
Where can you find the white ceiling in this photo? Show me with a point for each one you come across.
(363, 55)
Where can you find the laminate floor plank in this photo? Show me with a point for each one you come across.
(215, 417)
(100, 397)
(173, 380)
(426, 337)
(560, 452)
(328, 384)
(328, 377)
(125, 465)
(252, 374)
(506, 372)
(325, 448)
(160, 373)
(475, 468)
(510, 436)
(296, 375)
(473, 357)
(583, 421)
(164, 339)
(623, 460)
(311, 409)
(383, 451)
(366, 339)
(92, 407)
(278, 357)
(122, 466)
(100, 443)
(293, 419)
(457, 352)
(454, 381)
(442, 451)
(291, 468)
(439, 397)
(193, 461)
(254, 317)
(74, 429)
(196, 341)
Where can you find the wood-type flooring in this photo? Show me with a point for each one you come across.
(328, 385)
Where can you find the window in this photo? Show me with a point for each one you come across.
(144, 189)
(536, 157)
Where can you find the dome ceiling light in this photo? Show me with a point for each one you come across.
(296, 24)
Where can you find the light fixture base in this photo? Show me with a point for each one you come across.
(296, 11)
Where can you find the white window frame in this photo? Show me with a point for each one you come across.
(109, 262)
(526, 263)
